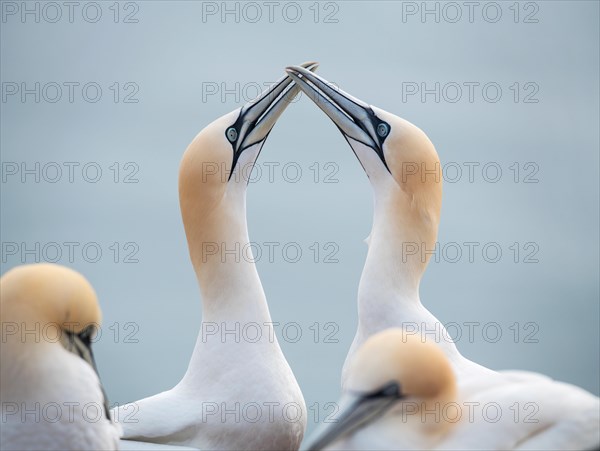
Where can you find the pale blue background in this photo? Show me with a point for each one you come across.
(369, 52)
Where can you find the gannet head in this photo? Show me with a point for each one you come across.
(216, 166)
(58, 304)
(49, 293)
(390, 372)
(398, 157)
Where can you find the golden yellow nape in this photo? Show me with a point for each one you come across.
(419, 367)
(48, 313)
(393, 376)
(48, 293)
(415, 166)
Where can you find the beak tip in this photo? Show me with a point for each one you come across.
(294, 75)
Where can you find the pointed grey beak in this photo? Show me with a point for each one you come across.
(257, 118)
(355, 411)
(355, 119)
(81, 345)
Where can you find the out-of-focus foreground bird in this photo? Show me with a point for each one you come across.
(50, 392)
(401, 393)
(394, 378)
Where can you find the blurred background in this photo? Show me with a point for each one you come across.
(100, 99)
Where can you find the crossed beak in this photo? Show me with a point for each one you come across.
(257, 118)
(356, 120)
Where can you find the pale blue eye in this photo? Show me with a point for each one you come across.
(232, 134)
(383, 130)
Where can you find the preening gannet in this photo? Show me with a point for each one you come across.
(401, 393)
(51, 396)
(392, 379)
(401, 163)
(239, 391)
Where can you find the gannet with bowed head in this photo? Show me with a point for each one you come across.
(49, 388)
(393, 379)
(403, 168)
(239, 391)
(401, 393)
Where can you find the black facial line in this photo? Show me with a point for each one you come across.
(73, 344)
(376, 122)
(248, 107)
(86, 335)
(389, 390)
(350, 144)
(379, 150)
(104, 397)
(82, 344)
(370, 114)
(237, 125)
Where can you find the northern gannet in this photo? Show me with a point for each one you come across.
(51, 396)
(402, 393)
(401, 161)
(407, 202)
(392, 379)
(238, 392)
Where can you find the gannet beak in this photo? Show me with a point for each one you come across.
(81, 345)
(257, 118)
(355, 119)
(355, 411)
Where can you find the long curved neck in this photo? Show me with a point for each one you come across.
(389, 285)
(404, 224)
(399, 250)
(213, 209)
(399, 247)
(223, 261)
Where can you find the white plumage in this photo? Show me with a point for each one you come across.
(536, 412)
(238, 392)
(51, 398)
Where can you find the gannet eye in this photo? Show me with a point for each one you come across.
(232, 134)
(383, 130)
